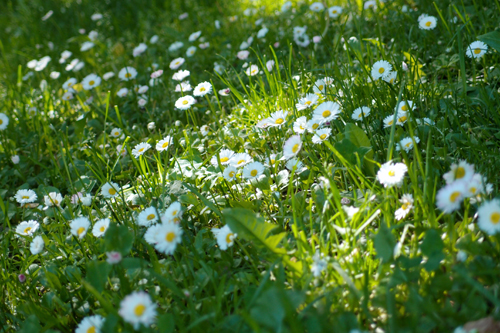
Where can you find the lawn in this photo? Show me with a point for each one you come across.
(250, 166)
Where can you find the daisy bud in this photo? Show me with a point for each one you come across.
(15, 159)
(316, 39)
(178, 123)
(276, 45)
(405, 66)
(22, 278)
(113, 257)
(151, 126)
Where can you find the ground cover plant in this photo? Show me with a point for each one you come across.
(249, 166)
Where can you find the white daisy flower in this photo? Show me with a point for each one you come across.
(164, 143)
(321, 135)
(176, 63)
(462, 171)
(127, 73)
(449, 198)
(225, 237)
(327, 111)
(475, 186)
(476, 49)
(168, 235)
(69, 83)
(194, 36)
(91, 81)
(299, 126)
(252, 70)
(407, 205)
(314, 124)
(100, 227)
(391, 174)
(225, 156)
(25, 196)
(110, 190)
(253, 170)
(53, 199)
(489, 217)
(278, 118)
(427, 22)
(67, 96)
(108, 75)
(404, 106)
(184, 103)
(79, 227)
(370, 4)
(361, 112)
(116, 132)
(230, 173)
(137, 308)
(37, 245)
(202, 89)
(191, 51)
(181, 75)
(380, 69)
(173, 213)
(294, 163)
(334, 11)
(147, 217)
(319, 87)
(86, 46)
(122, 92)
(4, 121)
(139, 49)
(402, 118)
(174, 47)
(307, 101)
(27, 228)
(391, 77)
(317, 7)
(240, 159)
(407, 143)
(91, 324)
(292, 147)
(183, 87)
(140, 149)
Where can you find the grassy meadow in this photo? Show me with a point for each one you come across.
(250, 166)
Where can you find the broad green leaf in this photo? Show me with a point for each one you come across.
(492, 39)
(245, 223)
(207, 202)
(119, 238)
(97, 274)
(384, 243)
(432, 247)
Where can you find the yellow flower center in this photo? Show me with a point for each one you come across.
(402, 119)
(477, 51)
(241, 161)
(408, 145)
(228, 238)
(295, 148)
(473, 190)
(164, 145)
(185, 102)
(428, 23)
(150, 217)
(80, 230)
(334, 11)
(91, 82)
(460, 173)
(404, 206)
(320, 87)
(224, 159)
(314, 126)
(389, 123)
(253, 173)
(404, 107)
(253, 71)
(25, 197)
(381, 70)
(495, 217)
(139, 310)
(170, 236)
(202, 89)
(279, 121)
(117, 133)
(141, 150)
(326, 113)
(272, 161)
(102, 229)
(454, 196)
(323, 136)
(1, 121)
(391, 81)
(56, 202)
(391, 173)
(91, 329)
(308, 103)
(27, 230)
(231, 174)
(112, 191)
(127, 75)
(175, 212)
(361, 114)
